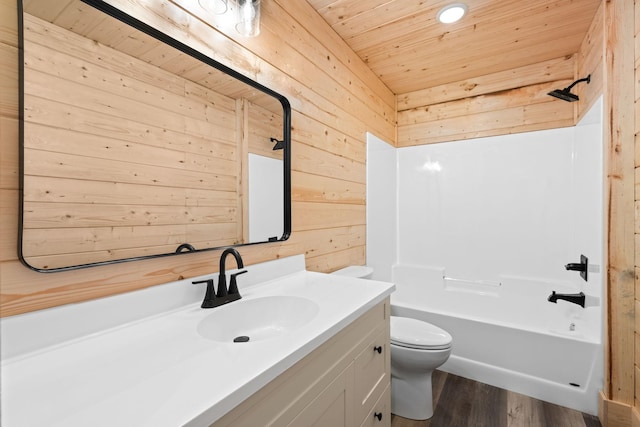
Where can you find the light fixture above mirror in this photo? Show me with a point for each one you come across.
(217, 7)
(246, 14)
(248, 17)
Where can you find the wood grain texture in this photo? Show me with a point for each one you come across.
(542, 72)
(403, 44)
(91, 114)
(460, 402)
(635, 416)
(590, 61)
(336, 98)
(512, 108)
(615, 414)
(329, 131)
(619, 161)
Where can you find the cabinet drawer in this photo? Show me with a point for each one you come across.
(372, 370)
(380, 414)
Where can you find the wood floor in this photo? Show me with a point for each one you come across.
(459, 402)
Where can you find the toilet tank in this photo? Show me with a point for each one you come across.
(359, 271)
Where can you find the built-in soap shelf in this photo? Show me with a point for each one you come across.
(479, 287)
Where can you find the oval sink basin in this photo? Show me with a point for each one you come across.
(258, 319)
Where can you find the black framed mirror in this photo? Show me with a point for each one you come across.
(135, 145)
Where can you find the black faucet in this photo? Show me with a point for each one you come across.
(224, 295)
(574, 298)
(222, 277)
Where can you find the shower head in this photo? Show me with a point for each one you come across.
(279, 144)
(565, 94)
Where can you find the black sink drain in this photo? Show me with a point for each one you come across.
(241, 338)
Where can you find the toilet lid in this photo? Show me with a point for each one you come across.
(413, 333)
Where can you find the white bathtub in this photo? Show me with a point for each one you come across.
(507, 334)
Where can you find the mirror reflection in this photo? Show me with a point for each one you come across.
(133, 147)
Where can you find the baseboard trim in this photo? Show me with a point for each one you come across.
(616, 414)
(635, 417)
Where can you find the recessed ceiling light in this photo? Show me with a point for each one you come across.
(452, 13)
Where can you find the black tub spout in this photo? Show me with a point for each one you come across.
(574, 298)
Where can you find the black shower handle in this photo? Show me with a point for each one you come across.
(582, 267)
(576, 266)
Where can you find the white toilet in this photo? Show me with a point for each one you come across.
(417, 348)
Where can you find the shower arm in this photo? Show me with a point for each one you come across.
(586, 79)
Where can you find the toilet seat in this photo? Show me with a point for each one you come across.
(413, 333)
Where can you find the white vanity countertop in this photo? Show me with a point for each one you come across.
(158, 370)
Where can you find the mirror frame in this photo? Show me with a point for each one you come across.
(164, 38)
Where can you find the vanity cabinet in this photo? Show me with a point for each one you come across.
(332, 406)
(344, 382)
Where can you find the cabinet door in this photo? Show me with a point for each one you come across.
(333, 407)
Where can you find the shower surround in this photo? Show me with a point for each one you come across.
(481, 231)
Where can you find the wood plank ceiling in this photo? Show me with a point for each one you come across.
(409, 50)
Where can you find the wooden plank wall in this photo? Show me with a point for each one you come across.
(335, 99)
(619, 192)
(590, 61)
(166, 169)
(636, 370)
(607, 54)
(496, 104)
